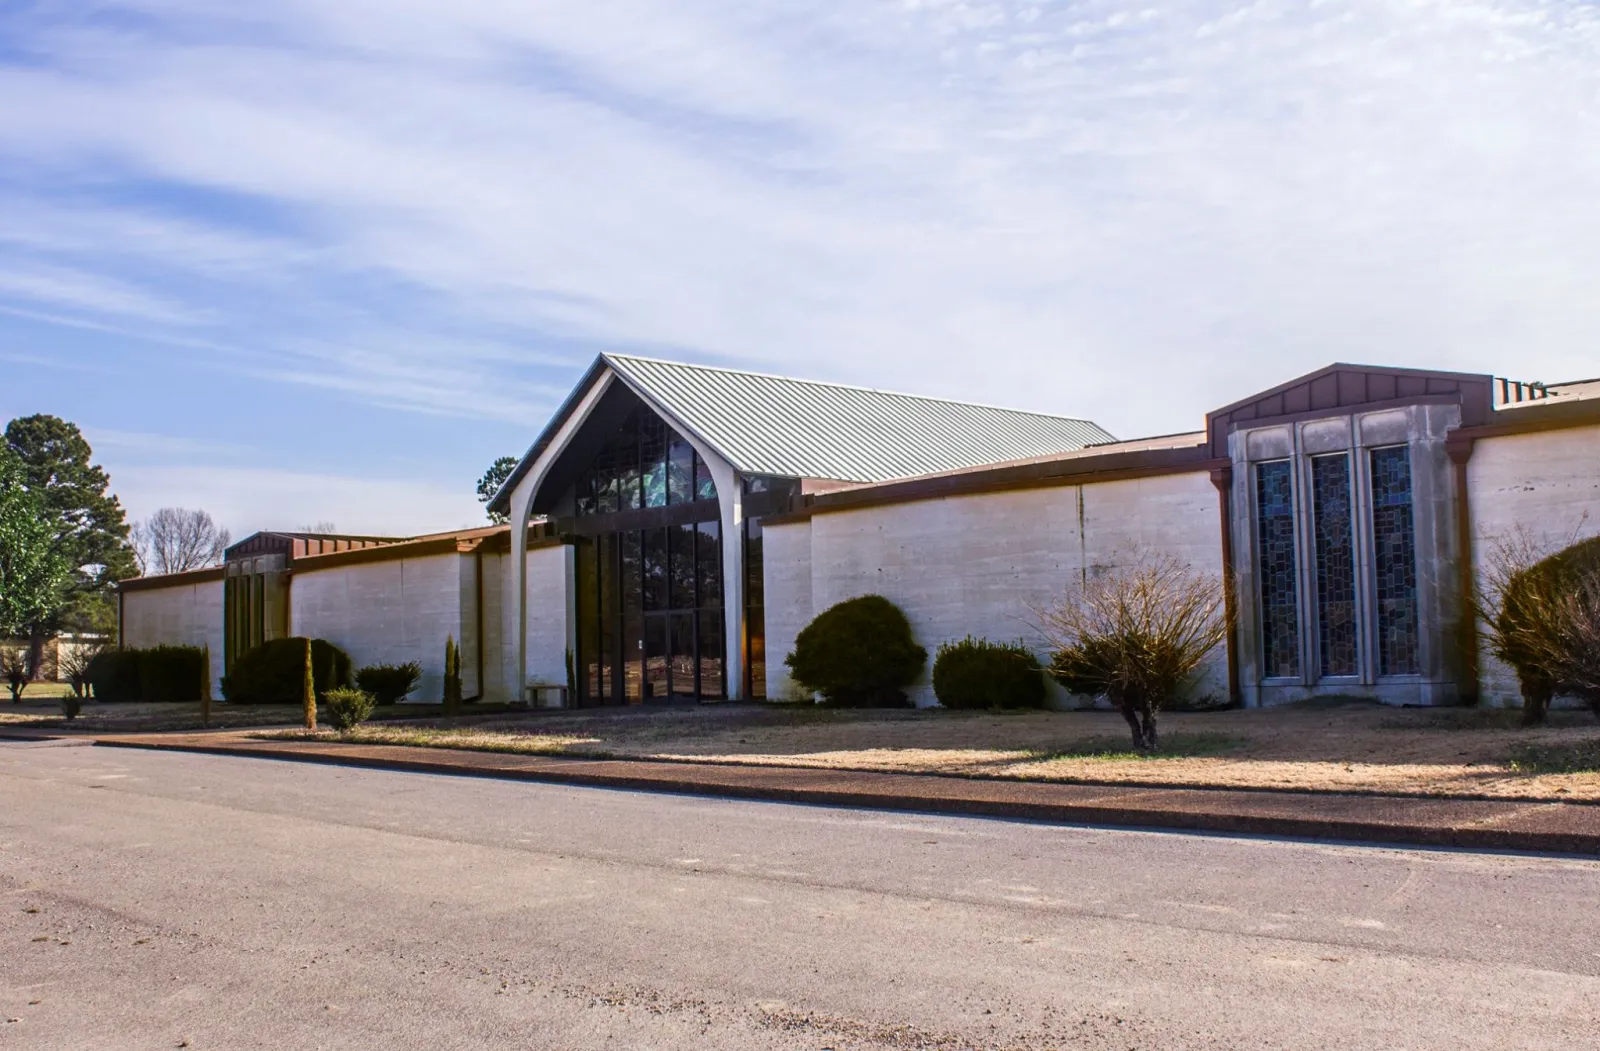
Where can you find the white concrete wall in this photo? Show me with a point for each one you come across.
(550, 616)
(497, 663)
(182, 615)
(786, 573)
(981, 564)
(390, 612)
(1545, 485)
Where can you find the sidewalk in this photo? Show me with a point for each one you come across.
(1560, 828)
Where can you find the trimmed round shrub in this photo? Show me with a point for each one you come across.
(347, 708)
(275, 672)
(858, 654)
(113, 675)
(977, 673)
(171, 673)
(389, 683)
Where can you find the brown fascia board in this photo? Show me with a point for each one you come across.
(460, 542)
(172, 580)
(290, 536)
(500, 543)
(1040, 474)
(1532, 417)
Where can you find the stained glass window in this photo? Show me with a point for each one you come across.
(1280, 623)
(1395, 561)
(1336, 569)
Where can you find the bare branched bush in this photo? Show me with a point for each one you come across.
(1136, 634)
(14, 670)
(1533, 606)
(73, 662)
(175, 539)
(1576, 664)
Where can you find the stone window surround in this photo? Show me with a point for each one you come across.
(1422, 429)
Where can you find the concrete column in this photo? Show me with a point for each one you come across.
(730, 498)
(522, 511)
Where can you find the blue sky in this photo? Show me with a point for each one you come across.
(300, 260)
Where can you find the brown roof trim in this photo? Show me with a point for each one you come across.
(440, 545)
(1077, 470)
(172, 580)
(1532, 418)
(500, 543)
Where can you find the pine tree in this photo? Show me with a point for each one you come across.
(205, 685)
(310, 698)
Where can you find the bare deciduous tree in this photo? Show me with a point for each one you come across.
(73, 662)
(175, 539)
(1136, 634)
(321, 528)
(14, 670)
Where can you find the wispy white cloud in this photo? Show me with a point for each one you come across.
(91, 293)
(1104, 208)
(245, 499)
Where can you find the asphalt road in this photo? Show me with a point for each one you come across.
(152, 900)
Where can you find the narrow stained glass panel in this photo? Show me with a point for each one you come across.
(1336, 567)
(1394, 559)
(1280, 622)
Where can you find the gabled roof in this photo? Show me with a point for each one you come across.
(804, 429)
(776, 425)
(1343, 386)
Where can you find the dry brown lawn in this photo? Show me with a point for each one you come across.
(45, 714)
(1338, 747)
(38, 713)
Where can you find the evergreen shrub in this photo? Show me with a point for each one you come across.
(389, 683)
(171, 673)
(113, 675)
(858, 654)
(977, 673)
(275, 672)
(347, 708)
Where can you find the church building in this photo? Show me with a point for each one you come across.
(674, 526)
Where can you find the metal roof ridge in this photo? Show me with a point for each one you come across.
(844, 386)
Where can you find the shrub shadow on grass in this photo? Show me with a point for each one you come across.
(1579, 758)
(1173, 746)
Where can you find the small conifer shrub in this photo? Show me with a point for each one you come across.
(347, 708)
(452, 676)
(308, 696)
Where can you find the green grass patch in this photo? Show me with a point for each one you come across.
(1173, 746)
(1582, 757)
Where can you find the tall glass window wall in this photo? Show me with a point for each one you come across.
(1335, 601)
(649, 591)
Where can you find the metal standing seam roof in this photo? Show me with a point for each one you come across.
(776, 425)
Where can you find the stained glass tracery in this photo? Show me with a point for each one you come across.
(1394, 561)
(1335, 564)
(1280, 622)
